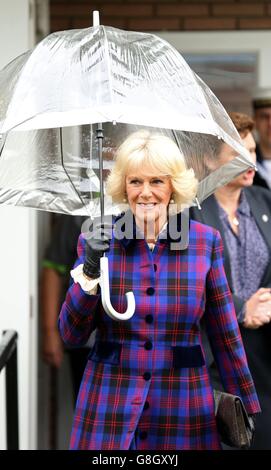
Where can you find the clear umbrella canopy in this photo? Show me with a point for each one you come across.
(52, 97)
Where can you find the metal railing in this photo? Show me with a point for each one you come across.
(8, 360)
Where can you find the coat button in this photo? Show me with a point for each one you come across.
(148, 345)
(146, 376)
(149, 318)
(150, 291)
(143, 435)
(146, 405)
(265, 217)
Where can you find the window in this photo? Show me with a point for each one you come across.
(232, 63)
(232, 77)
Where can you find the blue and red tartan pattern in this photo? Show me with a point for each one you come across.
(148, 375)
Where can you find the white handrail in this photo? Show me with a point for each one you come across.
(105, 294)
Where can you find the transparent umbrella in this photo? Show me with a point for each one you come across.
(55, 98)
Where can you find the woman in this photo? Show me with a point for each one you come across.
(146, 385)
(242, 214)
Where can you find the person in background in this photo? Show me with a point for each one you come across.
(242, 214)
(59, 259)
(262, 115)
(146, 385)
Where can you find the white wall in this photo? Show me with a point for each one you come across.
(18, 250)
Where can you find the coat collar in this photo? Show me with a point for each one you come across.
(135, 234)
(261, 214)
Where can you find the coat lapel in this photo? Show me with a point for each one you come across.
(262, 217)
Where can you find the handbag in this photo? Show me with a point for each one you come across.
(235, 427)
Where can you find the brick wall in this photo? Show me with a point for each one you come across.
(167, 15)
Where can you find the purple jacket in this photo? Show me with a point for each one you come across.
(148, 375)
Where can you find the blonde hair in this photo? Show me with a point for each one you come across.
(160, 153)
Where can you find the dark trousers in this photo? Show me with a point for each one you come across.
(78, 360)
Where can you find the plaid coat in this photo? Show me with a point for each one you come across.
(146, 385)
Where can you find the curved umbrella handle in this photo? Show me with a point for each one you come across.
(105, 293)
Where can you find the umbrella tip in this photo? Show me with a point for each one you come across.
(96, 18)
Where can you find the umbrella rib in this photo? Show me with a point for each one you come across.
(108, 66)
(2, 144)
(67, 174)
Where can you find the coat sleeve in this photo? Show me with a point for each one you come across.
(224, 334)
(77, 316)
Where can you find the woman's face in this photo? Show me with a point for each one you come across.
(148, 193)
(246, 179)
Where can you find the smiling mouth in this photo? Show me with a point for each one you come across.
(148, 205)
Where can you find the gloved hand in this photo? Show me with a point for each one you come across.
(97, 244)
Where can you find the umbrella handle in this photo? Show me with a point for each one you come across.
(105, 293)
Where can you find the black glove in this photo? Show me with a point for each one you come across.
(98, 242)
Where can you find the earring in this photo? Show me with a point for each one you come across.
(124, 199)
(171, 201)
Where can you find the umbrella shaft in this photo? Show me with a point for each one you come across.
(100, 137)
